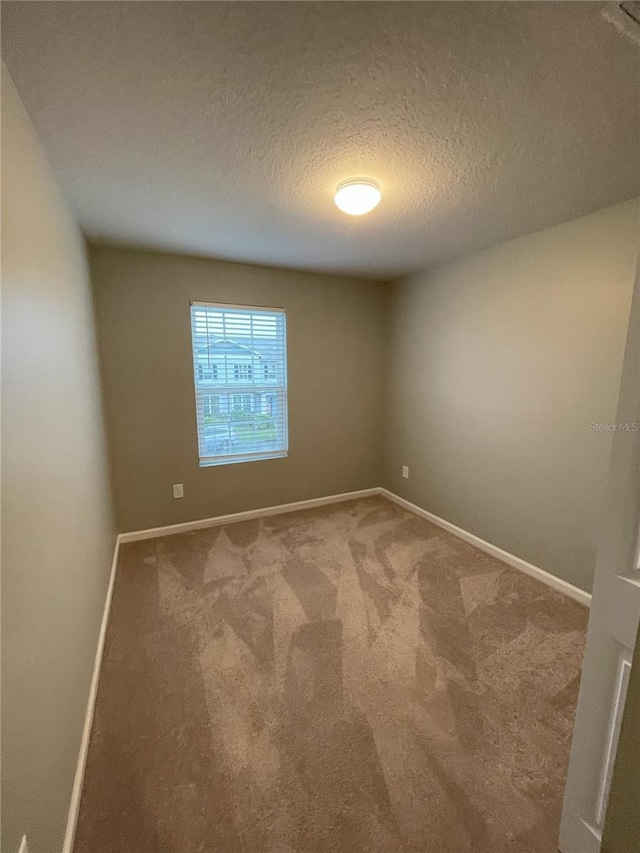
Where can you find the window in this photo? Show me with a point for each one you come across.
(210, 405)
(242, 350)
(242, 372)
(242, 403)
(207, 373)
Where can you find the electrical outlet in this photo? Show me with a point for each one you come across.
(405, 472)
(178, 490)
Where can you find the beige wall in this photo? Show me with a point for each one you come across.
(57, 531)
(336, 357)
(500, 361)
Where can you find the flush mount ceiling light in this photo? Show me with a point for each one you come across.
(357, 196)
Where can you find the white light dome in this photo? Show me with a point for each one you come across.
(357, 196)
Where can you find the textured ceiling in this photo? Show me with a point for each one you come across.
(223, 128)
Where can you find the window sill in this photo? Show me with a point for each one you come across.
(235, 460)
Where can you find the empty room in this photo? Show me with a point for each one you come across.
(320, 427)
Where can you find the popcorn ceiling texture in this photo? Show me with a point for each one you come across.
(223, 128)
(350, 679)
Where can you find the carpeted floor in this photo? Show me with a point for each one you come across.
(346, 679)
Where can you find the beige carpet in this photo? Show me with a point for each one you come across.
(347, 679)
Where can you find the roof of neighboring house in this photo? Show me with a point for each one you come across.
(226, 346)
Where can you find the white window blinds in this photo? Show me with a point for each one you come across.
(240, 374)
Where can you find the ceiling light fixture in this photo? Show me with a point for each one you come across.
(357, 196)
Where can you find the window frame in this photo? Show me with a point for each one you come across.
(255, 385)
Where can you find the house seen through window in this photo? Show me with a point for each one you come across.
(240, 373)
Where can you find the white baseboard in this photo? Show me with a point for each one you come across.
(184, 527)
(76, 793)
(516, 562)
(511, 560)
